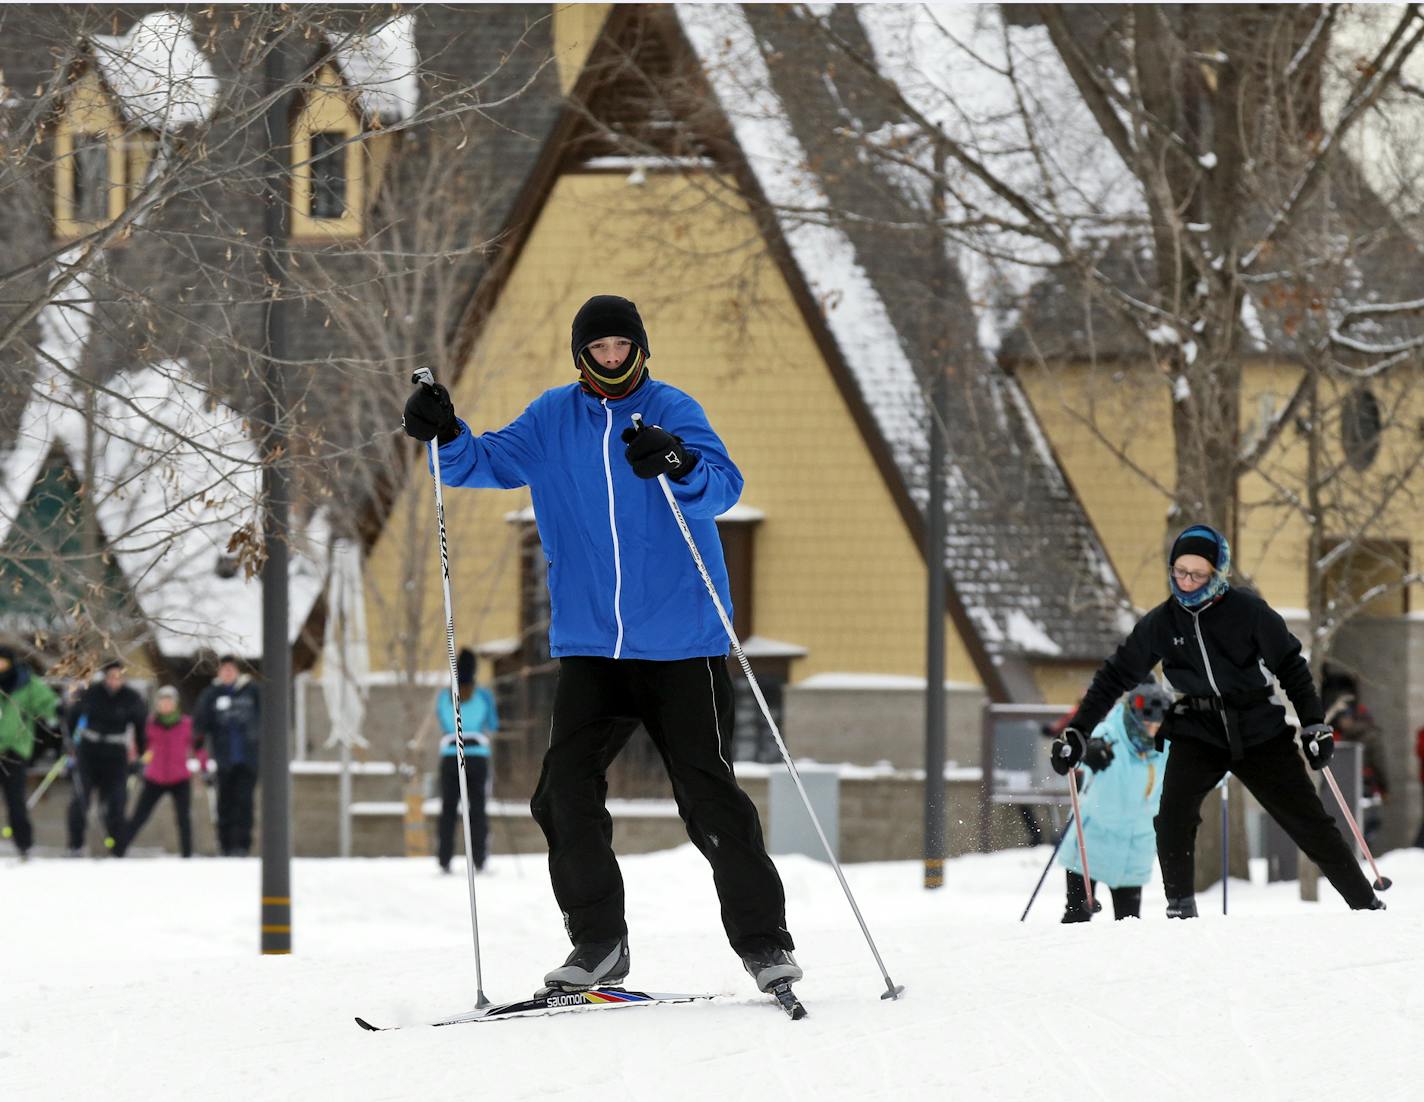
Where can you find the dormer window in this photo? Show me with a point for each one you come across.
(136, 91)
(90, 180)
(339, 152)
(328, 168)
(328, 175)
(92, 173)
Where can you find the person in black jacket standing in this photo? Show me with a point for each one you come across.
(225, 723)
(1215, 644)
(108, 732)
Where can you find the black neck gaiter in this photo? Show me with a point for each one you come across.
(614, 383)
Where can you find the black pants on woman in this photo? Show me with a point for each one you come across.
(1274, 773)
(182, 794)
(476, 777)
(1127, 902)
(686, 707)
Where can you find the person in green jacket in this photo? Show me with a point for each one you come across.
(24, 701)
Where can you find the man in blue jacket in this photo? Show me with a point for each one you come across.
(636, 636)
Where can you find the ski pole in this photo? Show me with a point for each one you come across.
(49, 778)
(892, 990)
(1082, 844)
(1381, 882)
(425, 377)
(1057, 845)
(1225, 837)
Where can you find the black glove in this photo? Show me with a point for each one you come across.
(1067, 750)
(430, 415)
(1318, 742)
(1098, 755)
(653, 451)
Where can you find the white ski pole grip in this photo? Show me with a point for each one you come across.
(423, 376)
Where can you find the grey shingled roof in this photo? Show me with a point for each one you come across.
(1022, 554)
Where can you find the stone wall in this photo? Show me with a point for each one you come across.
(869, 725)
(881, 817)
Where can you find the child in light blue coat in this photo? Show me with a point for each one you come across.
(1119, 804)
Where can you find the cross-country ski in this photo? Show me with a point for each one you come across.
(556, 1002)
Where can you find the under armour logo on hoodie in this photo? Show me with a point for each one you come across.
(1179, 641)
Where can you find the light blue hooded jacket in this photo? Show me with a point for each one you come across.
(1118, 808)
(622, 583)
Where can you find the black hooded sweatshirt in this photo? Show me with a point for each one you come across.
(1220, 652)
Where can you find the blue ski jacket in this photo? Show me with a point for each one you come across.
(1118, 809)
(622, 583)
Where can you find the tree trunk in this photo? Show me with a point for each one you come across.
(1205, 424)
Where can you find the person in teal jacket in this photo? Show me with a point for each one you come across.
(1119, 804)
(478, 721)
(24, 701)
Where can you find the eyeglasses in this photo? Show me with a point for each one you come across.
(1197, 576)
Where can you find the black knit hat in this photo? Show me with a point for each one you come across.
(465, 667)
(608, 316)
(1196, 542)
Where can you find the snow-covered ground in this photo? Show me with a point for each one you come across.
(141, 979)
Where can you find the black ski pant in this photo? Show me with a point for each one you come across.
(686, 707)
(103, 771)
(12, 781)
(182, 794)
(236, 785)
(1273, 772)
(1127, 902)
(476, 778)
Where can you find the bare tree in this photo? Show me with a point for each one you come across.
(131, 159)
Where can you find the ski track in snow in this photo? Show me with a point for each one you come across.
(142, 979)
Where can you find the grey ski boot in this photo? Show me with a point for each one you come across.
(598, 963)
(768, 967)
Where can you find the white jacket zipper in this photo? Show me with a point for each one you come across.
(613, 527)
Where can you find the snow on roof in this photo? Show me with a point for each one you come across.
(826, 257)
(382, 67)
(912, 44)
(174, 475)
(1002, 91)
(160, 76)
(1387, 142)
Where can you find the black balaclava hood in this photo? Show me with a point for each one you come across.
(610, 316)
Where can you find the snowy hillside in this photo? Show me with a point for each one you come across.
(140, 979)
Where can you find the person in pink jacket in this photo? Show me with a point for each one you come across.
(168, 741)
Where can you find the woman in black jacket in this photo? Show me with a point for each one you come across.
(1216, 645)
